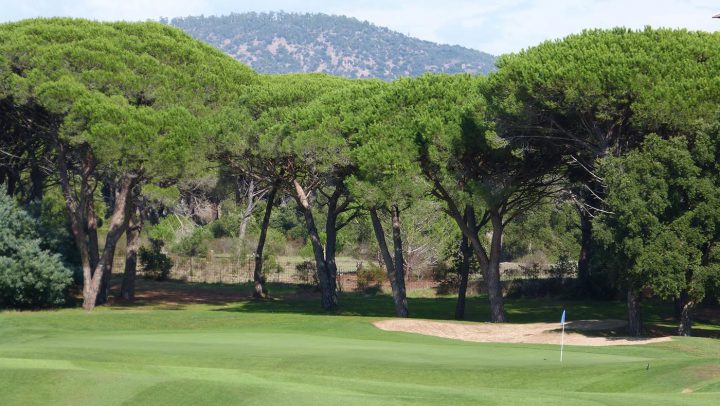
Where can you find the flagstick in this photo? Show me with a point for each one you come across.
(562, 341)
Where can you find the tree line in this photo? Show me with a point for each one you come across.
(622, 124)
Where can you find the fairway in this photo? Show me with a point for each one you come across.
(244, 353)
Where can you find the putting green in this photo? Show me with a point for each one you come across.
(207, 355)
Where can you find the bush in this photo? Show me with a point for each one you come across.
(182, 236)
(271, 266)
(195, 244)
(450, 284)
(229, 224)
(447, 272)
(54, 227)
(307, 273)
(559, 284)
(307, 250)
(565, 268)
(448, 279)
(369, 277)
(30, 277)
(154, 262)
(537, 288)
(534, 264)
(275, 242)
(165, 229)
(285, 218)
(530, 288)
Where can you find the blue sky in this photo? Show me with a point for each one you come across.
(494, 26)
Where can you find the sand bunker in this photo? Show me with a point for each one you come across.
(534, 333)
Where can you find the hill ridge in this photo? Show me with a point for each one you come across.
(280, 42)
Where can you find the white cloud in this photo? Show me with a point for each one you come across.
(132, 10)
(494, 26)
(505, 26)
(106, 10)
(539, 21)
(426, 20)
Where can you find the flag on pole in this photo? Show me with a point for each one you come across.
(562, 336)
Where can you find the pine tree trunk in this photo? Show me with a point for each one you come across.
(585, 249)
(491, 275)
(10, 178)
(118, 224)
(103, 294)
(634, 314)
(330, 262)
(37, 186)
(75, 210)
(331, 238)
(132, 235)
(260, 290)
(677, 308)
(248, 210)
(400, 296)
(685, 328)
(328, 299)
(328, 292)
(399, 299)
(466, 252)
(82, 221)
(494, 286)
(94, 246)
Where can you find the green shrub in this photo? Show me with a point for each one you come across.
(307, 250)
(370, 277)
(54, 227)
(164, 196)
(307, 273)
(285, 218)
(533, 264)
(194, 244)
(564, 268)
(537, 288)
(271, 266)
(450, 284)
(229, 224)
(447, 273)
(154, 262)
(30, 277)
(447, 278)
(165, 229)
(275, 242)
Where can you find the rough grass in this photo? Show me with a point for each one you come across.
(284, 351)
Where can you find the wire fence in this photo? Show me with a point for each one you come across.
(236, 270)
(226, 269)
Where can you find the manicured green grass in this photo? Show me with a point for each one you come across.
(286, 352)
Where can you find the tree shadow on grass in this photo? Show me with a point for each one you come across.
(176, 295)
(658, 315)
(436, 308)
(353, 304)
(298, 299)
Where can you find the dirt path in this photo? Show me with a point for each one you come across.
(534, 333)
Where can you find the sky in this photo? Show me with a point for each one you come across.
(494, 26)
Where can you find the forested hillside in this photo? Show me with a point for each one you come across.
(338, 45)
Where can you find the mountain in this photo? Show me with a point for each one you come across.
(288, 42)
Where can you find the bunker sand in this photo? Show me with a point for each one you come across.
(532, 333)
